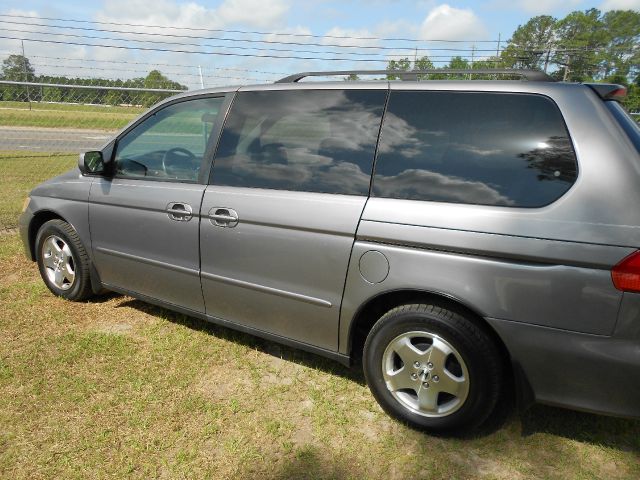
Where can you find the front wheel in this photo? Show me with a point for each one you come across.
(63, 261)
(433, 368)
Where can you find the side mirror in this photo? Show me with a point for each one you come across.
(91, 163)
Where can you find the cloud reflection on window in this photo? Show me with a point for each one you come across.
(318, 141)
(411, 184)
(476, 148)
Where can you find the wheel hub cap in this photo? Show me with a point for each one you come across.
(58, 262)
(425, 374)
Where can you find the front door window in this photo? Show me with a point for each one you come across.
(171, 143)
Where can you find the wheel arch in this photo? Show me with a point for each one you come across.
(370, 311)
(40, 218)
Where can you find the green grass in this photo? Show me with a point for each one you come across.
(19, 173)
(66, 116)
(116, 388)
(49, 115)
(72, 107)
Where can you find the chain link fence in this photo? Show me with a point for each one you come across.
(44, 126)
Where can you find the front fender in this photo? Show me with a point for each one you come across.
(65, 197)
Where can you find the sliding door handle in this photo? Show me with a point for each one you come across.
(223, 217)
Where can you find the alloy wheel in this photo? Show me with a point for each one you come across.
(425, 374)
(58, 262)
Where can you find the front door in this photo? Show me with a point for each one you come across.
(290, 180)
(145, 219)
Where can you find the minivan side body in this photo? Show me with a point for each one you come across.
(309, 236)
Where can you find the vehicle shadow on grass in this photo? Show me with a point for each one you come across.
(311, 462)
(618, 433)
(268, 347)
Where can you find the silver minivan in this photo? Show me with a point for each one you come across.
(468, 240)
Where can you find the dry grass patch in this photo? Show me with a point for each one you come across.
(115, 388)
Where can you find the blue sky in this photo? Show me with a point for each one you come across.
(426, 20)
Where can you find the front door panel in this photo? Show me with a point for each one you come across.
(143, 243)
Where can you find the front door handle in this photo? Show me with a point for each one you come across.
(180, 212)
(223, 217)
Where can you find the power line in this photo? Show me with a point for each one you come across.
(249, 32)
(164, 34)
(162, 42)
(174, 74)
(198, 52)
(154, 64)
(82, 67)
(168, 72)
(563, 49)
(202, 52)
(559, 49)
(196, 66)
(235, 47)
(127, 62)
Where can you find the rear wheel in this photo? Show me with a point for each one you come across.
(433, 368)
(63, 261)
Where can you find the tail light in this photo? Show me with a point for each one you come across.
(618, 94)
(626, 274)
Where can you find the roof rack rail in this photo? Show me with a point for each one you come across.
(530, 75)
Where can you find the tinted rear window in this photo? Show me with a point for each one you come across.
(305, 140)
(476, 148)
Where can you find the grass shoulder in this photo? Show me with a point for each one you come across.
(52, 115)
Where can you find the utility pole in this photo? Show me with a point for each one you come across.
(546, 60)
(26, 75)
(498, 47)
(565, 77)
(201, 79)
(473, 56)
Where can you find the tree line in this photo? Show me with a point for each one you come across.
(584, 46)
(19, 69)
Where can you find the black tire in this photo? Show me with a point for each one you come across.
(483, 383)
(80, 287)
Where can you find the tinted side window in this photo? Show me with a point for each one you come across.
(477, 148)
(170, 144)
(314, 141)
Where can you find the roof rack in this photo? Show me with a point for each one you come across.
(530, 75)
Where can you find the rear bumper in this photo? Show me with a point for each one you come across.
(593, 373)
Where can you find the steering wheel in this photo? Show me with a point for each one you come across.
(176, 161)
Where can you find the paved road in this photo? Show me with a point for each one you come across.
(51, 139)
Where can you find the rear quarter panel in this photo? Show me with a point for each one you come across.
(546, 266)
